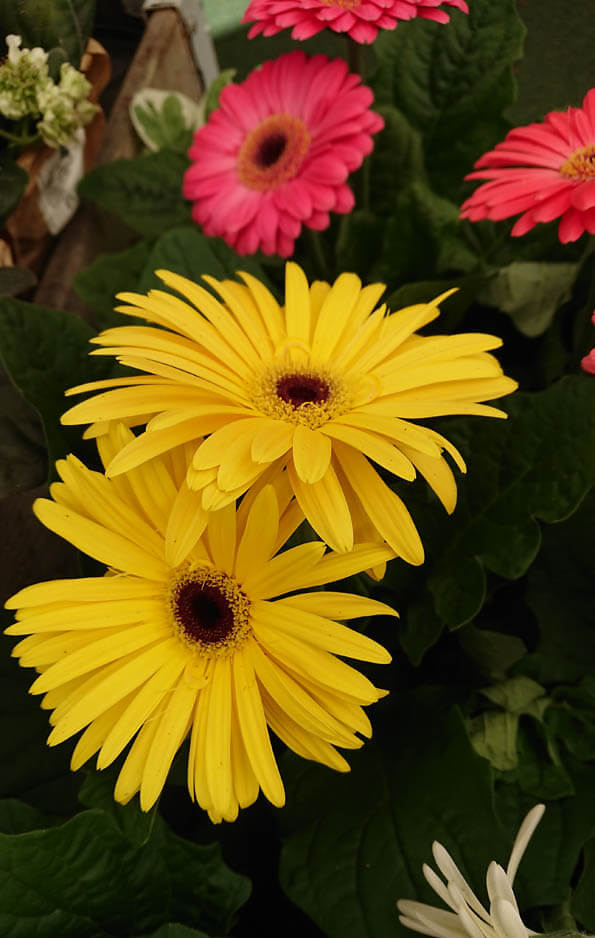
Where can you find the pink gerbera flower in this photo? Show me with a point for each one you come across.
(545, 171)
(588, 362)
(361, 19)
(277, 152)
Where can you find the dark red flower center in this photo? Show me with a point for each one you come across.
(203, 612)
(302, 389)
(270, 150)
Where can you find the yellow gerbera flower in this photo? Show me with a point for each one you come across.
(322, 386)
(150, 653)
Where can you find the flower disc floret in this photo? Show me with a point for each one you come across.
(277, 152)
(541, 172)
(360, 19)
(327, 389)
(201, 626)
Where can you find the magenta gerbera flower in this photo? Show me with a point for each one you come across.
(545, 171)
(276, 153)
(360, 19)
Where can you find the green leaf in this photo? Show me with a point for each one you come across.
(45, 351)
(31, 770)
(530, 293)
(225, 77)
(23, 460)
(537, 465)
(107, 275)
(145, 192)
(64, 25)
(359, 242)
(492, 652)
(84, 879)
(494, 737)
(453, 84)
(13, 180)
(568, 823)
(188, 252)
(560, 593)
(395, 162)
(583, 899)
(355, 843)
(165, 120)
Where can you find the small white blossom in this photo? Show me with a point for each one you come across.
(469, 918)
(22, 76)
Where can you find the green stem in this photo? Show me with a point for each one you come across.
(355, 57)
(318, 254)
(19, 140)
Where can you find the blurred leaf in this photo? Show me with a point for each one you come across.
(13, 183)
(583, 899)
(452, 84)
(31, 770)
(395, 162)
(107, 275)
(45, 351)
(97, 791)
(492, 652)
(64, 25)
(78, 879)
(355, 843)
(494, 736)
(359, 242)
(23, 458)
(188, 252)
(530, 293)
(145, 192)
(165, 120)
(211, 101)
(540, 771)
(560, 593)
(15, 280)
(568, 823)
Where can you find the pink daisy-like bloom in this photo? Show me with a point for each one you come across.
(588, 362)
(544, 171)
(360, 19)
(276, 153)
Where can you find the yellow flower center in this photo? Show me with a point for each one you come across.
(209, 609)
(273, 152)
(581, 165)
(300, 395)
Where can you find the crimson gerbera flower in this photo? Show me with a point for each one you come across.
(361, 19)
(277, 152)
(545, 171)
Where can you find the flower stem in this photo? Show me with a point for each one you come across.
(318, 254)
(19, 140)
(355, 57)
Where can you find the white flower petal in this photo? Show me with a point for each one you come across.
(451, 872)
(522, 838)
(507, 921)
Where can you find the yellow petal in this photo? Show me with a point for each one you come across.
(439, 477)
(267, 305)
(253, 727)
(186, 524)
(131, 774)
(93, 539)
(94, 735)
(376, 448)
(173, 724)
(311, 454)
(271, 441)
(284, 570)
(305, 744)
(222, 538)
(297, 304)
(334, 567)
(142, 705)
(386, 511)
(260, 533)
(340, 606)
(218, 736)
(319, 666)
(312, 629)
(334, 315)
(84, 590)
(371, 419)
(326, 508)
(245, 783)
(134, 671)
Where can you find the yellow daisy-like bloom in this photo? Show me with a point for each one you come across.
(151, 653)
(322, 386)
